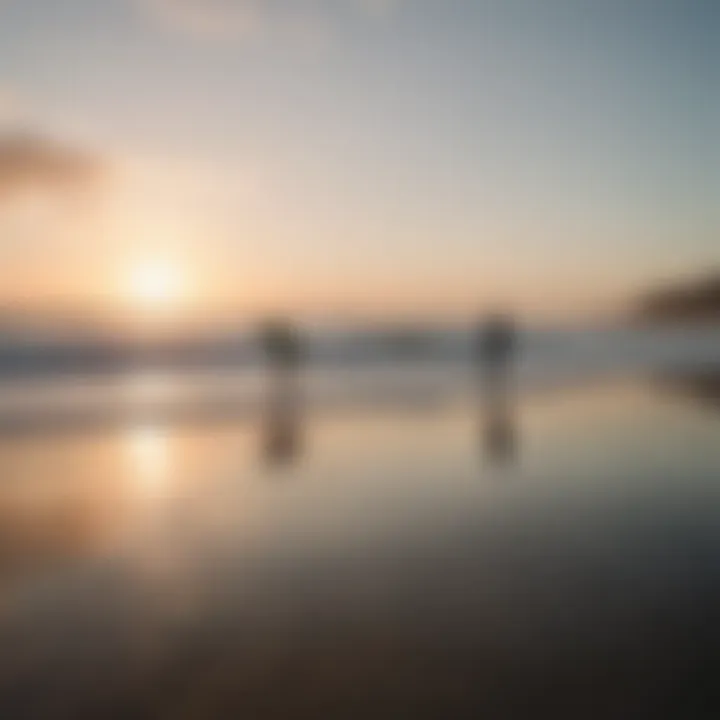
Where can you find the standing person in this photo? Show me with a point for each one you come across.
(283, 350)
(496, 344)
(282, 345)
(495, 348)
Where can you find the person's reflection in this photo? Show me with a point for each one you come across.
(282, 347)
(282, 443)
(494, 355)
(500, 438)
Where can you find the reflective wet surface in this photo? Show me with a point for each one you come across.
(541, 555)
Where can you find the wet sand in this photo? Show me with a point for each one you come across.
(391, 565)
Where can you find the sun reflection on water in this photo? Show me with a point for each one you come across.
(148, 450)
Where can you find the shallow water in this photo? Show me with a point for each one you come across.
(558, 558)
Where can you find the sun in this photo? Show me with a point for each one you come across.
(153, 285)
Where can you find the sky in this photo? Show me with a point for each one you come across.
(328, 157)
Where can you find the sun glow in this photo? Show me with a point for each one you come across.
(149, 455)
(154, 285)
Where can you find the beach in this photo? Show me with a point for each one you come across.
(396, 559)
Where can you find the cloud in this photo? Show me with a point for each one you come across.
(30, 162)
(252, 19)
(12, 109)
(210, 17)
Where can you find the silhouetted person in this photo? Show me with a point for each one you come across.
(282, 345)
(495, 348)
(495, 343)
(283, 349)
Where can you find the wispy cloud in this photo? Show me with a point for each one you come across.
(210, 17)
(253, 19)
(30, 162)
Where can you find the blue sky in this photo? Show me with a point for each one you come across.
(321, 154)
